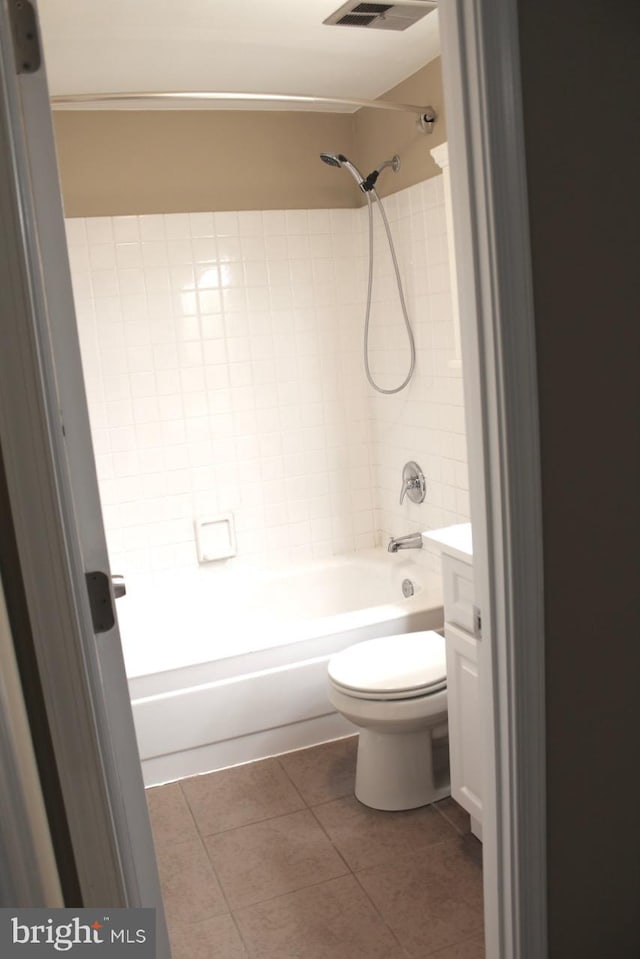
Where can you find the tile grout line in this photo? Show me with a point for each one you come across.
(305, 808)
(320, 824)
(377, 910)
(379, 914)
(351, 871)
(215, 873)
(450, 821)
(292, 892)
(288, 777)
(206, 851)
(188, 805)
(434, 955)
(428, 849)
(333, 845)
(200, 839)
(252, 822)
(433, 845)
(245, 944)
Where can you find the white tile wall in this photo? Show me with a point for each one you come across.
(425, 422)
(217, 380)
(223, 364)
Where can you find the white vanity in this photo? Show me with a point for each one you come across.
(462, 630)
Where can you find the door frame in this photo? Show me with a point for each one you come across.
(485, 133)
(40, 530)
(481, 76)
(56, 517)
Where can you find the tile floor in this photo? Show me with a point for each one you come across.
(277, 860)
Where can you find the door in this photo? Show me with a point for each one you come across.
(46, 444)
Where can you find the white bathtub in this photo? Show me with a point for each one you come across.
(224, 669)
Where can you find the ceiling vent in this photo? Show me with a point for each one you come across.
(378, 16)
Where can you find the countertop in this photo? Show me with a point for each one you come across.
(455, 541)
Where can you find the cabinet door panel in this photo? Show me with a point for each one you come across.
(459, 601)
(465, 742)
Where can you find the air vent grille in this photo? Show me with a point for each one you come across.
(353, 20)
(376, 8)
(378, 16)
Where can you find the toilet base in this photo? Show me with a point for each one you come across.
(395, 770)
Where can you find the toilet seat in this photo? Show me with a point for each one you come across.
(407, 666)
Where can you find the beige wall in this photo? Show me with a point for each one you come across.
(171, 161)
(117, 162)
(582, 169)
(379, 134)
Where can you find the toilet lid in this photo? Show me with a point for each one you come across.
(392, 664)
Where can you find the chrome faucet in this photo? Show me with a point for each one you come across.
(410, 541)
(414, 485)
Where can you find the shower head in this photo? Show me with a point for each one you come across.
(333, 159)
(365, 183)
(340, 160)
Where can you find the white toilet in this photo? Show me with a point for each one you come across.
(395, 690)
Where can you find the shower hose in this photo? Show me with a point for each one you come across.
(412, 345)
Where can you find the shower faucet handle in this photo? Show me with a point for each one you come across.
(414, 485)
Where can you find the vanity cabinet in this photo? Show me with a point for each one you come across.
(462, 636)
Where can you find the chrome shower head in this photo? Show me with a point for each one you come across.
(365, 183)
(340, 160)
(333, 159)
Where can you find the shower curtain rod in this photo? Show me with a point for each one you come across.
(426, 115)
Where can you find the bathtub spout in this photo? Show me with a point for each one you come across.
(410, 541)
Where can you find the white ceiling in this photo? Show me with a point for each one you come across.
(262, 46)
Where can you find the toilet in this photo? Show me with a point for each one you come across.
(395, 690)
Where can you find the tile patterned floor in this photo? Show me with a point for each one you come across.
(277, 860)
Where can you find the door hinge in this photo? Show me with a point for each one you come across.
(99, 590)
(477, 622)
(26, 43)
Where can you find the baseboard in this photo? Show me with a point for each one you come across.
(245, 749)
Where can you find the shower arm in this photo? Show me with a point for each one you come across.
(369, 182)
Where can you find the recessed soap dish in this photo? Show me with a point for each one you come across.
(215, 537)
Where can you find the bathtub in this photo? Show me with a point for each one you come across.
(225, 668)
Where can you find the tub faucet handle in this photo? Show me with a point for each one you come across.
(414, 485)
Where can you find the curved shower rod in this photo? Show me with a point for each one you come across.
(426, 116)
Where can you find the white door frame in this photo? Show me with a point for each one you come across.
(482, 84)
(55, 508)
(481, 74)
